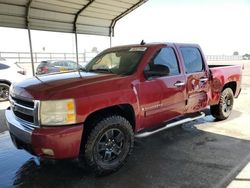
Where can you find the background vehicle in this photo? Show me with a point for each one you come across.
(9, 72)
(51, 66)
(246, 56)
(127, 91)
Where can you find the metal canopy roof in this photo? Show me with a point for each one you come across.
(95, 17)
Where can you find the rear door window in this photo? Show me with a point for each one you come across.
(192, 59)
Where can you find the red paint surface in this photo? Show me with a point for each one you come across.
(64, 141)
(222, 76)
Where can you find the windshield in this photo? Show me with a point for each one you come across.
(121, 62)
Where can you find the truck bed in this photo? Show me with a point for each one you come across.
(222, 75)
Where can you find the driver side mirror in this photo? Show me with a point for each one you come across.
(157, 71)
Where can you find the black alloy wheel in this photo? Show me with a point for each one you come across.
(109, 144)
(223, 110)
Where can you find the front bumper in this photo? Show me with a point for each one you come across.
(64, 141)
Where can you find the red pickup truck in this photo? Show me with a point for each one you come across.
(124, 92)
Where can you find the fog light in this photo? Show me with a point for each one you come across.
(48, 151)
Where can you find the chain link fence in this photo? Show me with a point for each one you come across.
(224, 57)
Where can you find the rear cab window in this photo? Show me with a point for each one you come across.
(192, 59)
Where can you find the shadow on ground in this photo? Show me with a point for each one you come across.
(180, 157)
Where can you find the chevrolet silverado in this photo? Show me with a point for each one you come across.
(124, 92)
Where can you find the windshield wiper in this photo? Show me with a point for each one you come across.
(83, 69)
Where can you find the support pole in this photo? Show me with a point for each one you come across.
(113, 22)
(28, 6)
(31, 51)
(77, 57)
(111, 34)
(110, 41)
(75, 27)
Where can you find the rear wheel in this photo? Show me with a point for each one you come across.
(4, 92)
(109, 144)
(223, 110)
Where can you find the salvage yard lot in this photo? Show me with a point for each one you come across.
(203, 153)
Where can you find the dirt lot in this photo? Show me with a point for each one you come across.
(203, 153)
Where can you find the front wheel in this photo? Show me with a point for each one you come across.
(109, 144)
(4, 92)
(223, 110)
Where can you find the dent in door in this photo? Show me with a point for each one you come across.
(197, 95)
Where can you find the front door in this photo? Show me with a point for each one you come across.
(167, 92)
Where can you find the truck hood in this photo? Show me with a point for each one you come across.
(65, 85)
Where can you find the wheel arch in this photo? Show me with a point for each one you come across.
(5, 82)
(125, 110)
(232, 85)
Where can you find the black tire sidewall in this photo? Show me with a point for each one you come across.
(227, 92)
(125, 150)
(109, 122)
(217, 110)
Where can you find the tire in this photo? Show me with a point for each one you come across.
(4, 92)
(223, 110)
(109, 144)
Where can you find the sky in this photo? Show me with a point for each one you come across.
(219, 26)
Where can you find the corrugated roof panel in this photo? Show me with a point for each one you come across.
(103, 11)
(54, 8)
(108, 7)
(130, 1)
(93, 30)
(83, 20)
(115, 3)
(50, 15)
(80, 2)
(63, 3)
(51, 25)
(15, 2)
(96, 17)
(13, 10)
(12, 21)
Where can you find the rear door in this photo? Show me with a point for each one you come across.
(197, 78)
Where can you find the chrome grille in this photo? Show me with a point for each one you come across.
(26, 111)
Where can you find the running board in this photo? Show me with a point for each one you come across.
(145, 134)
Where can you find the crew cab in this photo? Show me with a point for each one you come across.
(124, 92)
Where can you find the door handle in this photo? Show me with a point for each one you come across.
(179, 84)
(203, 79)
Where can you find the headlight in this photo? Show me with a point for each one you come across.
(58, 112)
